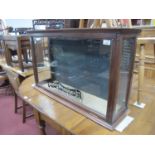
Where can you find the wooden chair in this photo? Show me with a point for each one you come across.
(104, 23)
(15, 82)
(17, 51)
(2, 48)
(4, 88)
(4, 84)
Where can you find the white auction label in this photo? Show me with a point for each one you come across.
(106, 42)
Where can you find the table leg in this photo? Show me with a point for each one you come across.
(154, 51)
(141, 72)
(41, 123)
(19, 53)
(42, 126)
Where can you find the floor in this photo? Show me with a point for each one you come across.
(11, 123)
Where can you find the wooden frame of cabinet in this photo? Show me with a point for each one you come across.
(116, 35)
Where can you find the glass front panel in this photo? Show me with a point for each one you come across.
(125, 66)
(78, 70)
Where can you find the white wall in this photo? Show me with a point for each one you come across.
(16, 23)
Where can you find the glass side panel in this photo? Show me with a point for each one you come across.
(125, 66)
(79, 71)
(42, 58)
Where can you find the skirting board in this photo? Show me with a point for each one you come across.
(124, 123)
(139, 105)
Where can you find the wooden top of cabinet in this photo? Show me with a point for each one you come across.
(86, 30)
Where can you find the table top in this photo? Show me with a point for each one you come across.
(26, 73)
(146, 40)
(144, 120)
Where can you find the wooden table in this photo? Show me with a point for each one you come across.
(142, 41)
(146, 40)
(26, 73)
(147, 31)
(67, 121)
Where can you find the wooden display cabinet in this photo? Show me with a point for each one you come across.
(87, 70)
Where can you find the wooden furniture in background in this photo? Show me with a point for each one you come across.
(149, 61)
(5, 88)
(105, 23)
(147, 32)
(2, 47)
(93, 23)
(81, 23)
(27, 72)
(147, 35)
(142, 41)
(15, 83)
(143, 22)
(141, 73)
(20, 45)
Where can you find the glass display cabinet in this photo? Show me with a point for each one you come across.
(87, 70)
